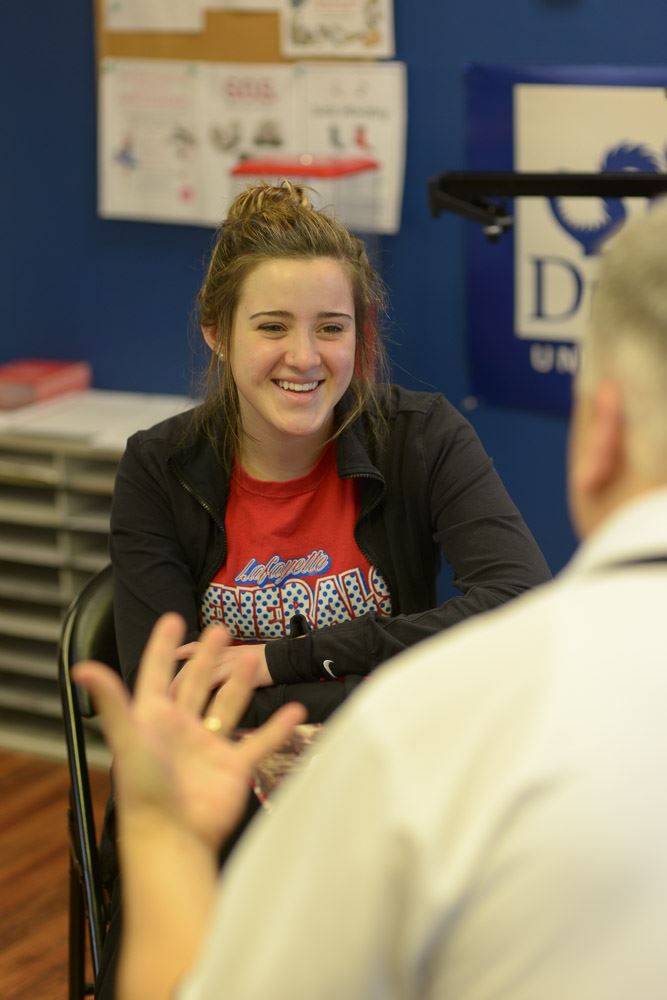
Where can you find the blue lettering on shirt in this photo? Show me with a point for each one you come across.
(267, 595)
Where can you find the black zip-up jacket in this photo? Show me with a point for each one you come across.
(430, 491)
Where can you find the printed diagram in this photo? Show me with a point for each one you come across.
(125, 155)
(335, 33)
(228, 137)
(352, 141)
(268, 133)
(343, 27)
(249, 110)
(184, 142)
(225, 137)
(150, 149)
(262, 141)
(159, 159)
(181, 140)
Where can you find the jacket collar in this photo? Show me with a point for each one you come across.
(354, 460)
(195, 463)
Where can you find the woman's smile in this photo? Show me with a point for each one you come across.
(300, 388)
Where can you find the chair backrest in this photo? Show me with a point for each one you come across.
(87, 633)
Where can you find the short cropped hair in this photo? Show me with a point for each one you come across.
(627, 338)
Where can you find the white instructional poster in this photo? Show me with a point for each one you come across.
(354, 117)
(337, 28)
(179, 140)
(249, 115)
(150, 140)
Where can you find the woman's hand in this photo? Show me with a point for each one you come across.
(170, 767)
(250, 658)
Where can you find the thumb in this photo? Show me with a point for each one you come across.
(111, 697)
(273, 734)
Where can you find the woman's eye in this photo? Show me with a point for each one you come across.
(331, 330)
(274, 328)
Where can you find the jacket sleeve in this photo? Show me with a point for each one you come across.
(479, 531)
(150, 572)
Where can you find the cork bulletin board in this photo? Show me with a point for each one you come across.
(228, 36)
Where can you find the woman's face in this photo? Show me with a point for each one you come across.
(293, 349)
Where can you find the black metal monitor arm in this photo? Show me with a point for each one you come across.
(469, 193)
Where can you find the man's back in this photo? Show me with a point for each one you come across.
(567, 892)
(505, 831)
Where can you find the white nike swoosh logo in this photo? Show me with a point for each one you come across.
(328, 666)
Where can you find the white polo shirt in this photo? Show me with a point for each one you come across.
(486, 819)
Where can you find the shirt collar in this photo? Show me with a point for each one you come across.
(638, 528)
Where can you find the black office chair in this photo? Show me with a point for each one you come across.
(87, 633)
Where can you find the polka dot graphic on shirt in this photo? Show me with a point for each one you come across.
(380, 590)
(210, 610)
(259, 614)
(358, 595)
(297, 599)
(330, 604)
(238, 609)
(268, 613)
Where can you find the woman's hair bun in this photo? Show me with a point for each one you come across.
(265, 198)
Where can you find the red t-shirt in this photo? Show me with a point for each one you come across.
(291, 549)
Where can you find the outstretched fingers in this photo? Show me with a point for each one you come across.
(234, 697)
(198, 675)
(158, 661)
(110, 696)
(273, 734)
(158, 664)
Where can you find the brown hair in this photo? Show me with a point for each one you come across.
(263, 223)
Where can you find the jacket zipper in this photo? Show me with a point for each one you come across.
(369, 556)
(201, 588)
(200, 500)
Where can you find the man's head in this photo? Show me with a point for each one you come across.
(618, 435)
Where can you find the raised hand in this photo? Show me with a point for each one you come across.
(170, 765)
(250, 658)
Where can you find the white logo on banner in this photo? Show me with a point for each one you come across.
(557, 240)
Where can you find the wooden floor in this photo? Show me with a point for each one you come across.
(34, 875)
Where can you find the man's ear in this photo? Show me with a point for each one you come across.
(603, 460)
(210, 335)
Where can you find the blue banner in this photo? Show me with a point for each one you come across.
(528, 295)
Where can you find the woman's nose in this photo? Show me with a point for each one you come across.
(302, 350)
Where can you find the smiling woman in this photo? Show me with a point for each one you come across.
(302, 447)
(298, 276)
(291, 355)
(305, 494)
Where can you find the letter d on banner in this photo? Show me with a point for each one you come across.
(558, 288)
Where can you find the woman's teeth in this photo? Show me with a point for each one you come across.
(297, 386)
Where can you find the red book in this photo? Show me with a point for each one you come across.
(31, 380)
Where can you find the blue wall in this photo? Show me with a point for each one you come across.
(120, 294)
